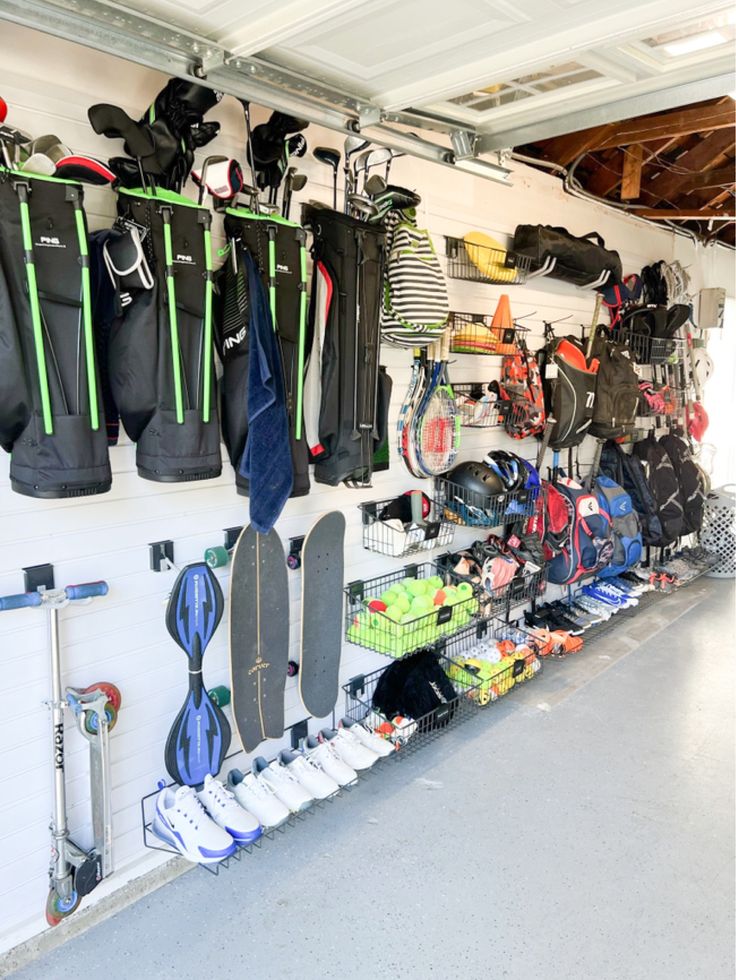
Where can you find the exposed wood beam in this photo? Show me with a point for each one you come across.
(565, 149)
(701, 119)
(711, 178)
(631, 174)
(702, 156)
(692, 214)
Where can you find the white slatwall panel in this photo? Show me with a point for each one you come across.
(48, 85)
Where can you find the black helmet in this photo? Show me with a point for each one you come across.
(476, 478)
(508, 467)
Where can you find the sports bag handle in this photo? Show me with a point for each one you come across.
(593, 235)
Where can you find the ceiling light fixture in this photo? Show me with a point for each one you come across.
(696, 42)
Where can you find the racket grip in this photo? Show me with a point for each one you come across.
(87, 590)
(20, 601)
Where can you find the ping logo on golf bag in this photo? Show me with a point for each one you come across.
(280, 267)
(237, 339)
(184, 259)
(59, 746)
(49, 241)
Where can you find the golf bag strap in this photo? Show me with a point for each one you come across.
(73, 195)
(301, 235)
(206, 221)
(173, 322)
(22, 189)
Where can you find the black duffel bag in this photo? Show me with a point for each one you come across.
(581, 260)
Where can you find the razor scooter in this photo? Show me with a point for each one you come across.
(74, 872)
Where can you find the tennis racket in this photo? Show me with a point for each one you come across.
(408, 399)
(438, 433)
(408, 444)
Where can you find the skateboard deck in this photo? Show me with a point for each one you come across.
(200, 736)
(322, 599)
(259, 636)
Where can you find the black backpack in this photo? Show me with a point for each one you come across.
(616, 391)
(628, 472)
(690, 478)
(665, 487)
(569, 390)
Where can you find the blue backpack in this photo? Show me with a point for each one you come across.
(586, 544)
(625, 526)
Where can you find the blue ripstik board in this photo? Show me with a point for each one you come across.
(200, 736)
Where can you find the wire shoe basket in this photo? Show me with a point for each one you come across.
(471, 509)
(494, 653)
(414, 607)
(474, 333)
(651, 350)
(398, 540)
(414, 733)
(481, 263)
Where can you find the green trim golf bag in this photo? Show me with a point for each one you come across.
(51, 418)
(346, 392)
(279, 251)
(160, 352)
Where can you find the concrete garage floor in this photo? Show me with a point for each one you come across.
(583, 827)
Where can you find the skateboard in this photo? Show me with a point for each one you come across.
(321, 631)
(200, 736)
(259, 636)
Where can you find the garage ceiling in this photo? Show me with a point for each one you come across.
(468, 77)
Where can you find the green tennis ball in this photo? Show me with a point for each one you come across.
(421, 603)
(416, 586)
(465, 589)
(403, 602)
(394, 613)
(389, 596)
(435, 582)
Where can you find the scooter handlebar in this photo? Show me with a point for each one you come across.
(20, 601)
(86, 591)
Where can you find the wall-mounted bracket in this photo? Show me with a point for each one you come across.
(37, 577)
(161, 555)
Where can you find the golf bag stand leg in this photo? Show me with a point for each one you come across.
(92, 710)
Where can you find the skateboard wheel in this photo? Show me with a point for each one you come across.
(113, 693)
(58, 908)
(293, 668)
(217, 557)
(294, 562)
(219, 695)
(90, 721)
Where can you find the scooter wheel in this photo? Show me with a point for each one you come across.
(113, 693)
(90, 722)
(292, 669)
(294, 562)
(58, 908)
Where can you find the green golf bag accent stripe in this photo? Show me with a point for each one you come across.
(302, 339)
(207, 342)
(173, 322)
(43, 380)
(272, 274)
(89, 341)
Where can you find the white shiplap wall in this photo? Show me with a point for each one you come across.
(48, 85)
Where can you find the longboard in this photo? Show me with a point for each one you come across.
(259, 636)
(322, 613)
(200, 736)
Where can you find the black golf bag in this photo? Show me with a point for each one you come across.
(346, 392)
(51, 417)
(160, 351)
(279, 251)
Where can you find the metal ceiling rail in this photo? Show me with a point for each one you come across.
(147, 41)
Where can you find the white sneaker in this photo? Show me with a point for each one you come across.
(284, 784)
(314, 780)
(182, 822)
(371, 741)
(258, 798)
(322, 754)
(225, 811)
(350, 748)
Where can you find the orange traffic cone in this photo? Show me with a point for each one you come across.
(502, 326)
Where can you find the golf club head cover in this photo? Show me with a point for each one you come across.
(268, 138)
(224, 179)
(125, 259)
(204, 133)
(86, 169)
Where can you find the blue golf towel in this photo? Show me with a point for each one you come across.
(266, 459)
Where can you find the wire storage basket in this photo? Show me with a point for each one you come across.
(401, 612)
(651, 350)
(473, 509)
(494, 653)
(406, 733)
(479, 407)
(718, 534)
(397, 539)
(529, 582)
(481, 263)
(474, 333)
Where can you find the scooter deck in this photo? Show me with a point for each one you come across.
(322, 599)
(259, 636)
